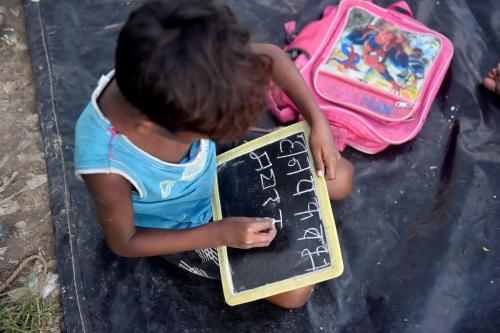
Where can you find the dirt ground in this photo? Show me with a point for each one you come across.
(25, 220)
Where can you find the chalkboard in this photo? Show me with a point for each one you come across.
(273, 176)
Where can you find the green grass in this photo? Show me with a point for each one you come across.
(29, 314)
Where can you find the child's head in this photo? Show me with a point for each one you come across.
(187, 65)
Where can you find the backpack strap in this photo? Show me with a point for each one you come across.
(402, 6)
(291, 31)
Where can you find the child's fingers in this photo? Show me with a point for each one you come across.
(331, 166)
(262, 232)
(318, 162)
(262, 224)
(489, 83)
(263, 239)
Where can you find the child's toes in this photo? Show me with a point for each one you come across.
(492, 80)
(489, 83)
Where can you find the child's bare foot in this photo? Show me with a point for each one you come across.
(492, 80)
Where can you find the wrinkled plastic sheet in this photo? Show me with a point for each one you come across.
(419, 234)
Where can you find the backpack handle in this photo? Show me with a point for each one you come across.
(402, 6)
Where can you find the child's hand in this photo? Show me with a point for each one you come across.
(288, 78)
(247, 232)
(324, 150)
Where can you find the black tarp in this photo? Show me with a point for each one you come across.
(419, 235)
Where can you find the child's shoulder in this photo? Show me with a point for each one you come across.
(91, 125)
(92, 137)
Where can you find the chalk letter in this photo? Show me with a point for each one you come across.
(319, 250)
(271, 180)
(312, 207)
(279, 223)
(314, 233)
(290, 152)
(294, 162)
(304, 188)
(263, 160)
(275, 199)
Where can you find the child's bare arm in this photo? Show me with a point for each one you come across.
(288, 78)
(112, 197)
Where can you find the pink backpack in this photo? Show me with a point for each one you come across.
(373, 71)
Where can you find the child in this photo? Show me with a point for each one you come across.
(186, 73)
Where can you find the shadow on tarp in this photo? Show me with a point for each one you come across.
(419, 235)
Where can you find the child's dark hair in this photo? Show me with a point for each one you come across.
(187, 65)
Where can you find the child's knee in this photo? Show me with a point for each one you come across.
(294, 299)
(341, 187)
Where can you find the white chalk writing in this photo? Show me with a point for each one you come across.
(267, 181)
(294, 162)
(279, 222)
(271, 199)
(292, 145)
(312, 207)
(263, 160)
(316, 255)
(312, 239)
(271, 180)
(302, 190)
(314, 233)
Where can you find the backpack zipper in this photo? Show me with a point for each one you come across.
(401, 104)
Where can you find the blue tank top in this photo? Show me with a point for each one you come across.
(166, 195)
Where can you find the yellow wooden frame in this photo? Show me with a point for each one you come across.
(334, 270)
